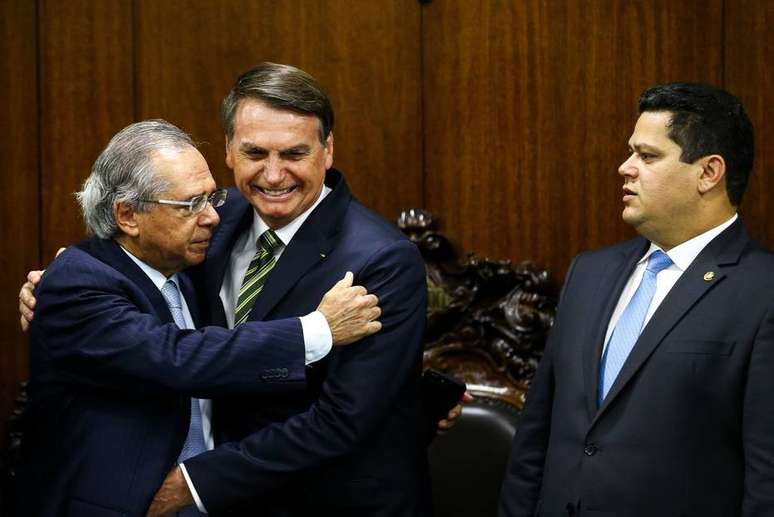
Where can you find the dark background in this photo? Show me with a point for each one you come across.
(507, 119)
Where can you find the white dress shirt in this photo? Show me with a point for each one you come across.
(317, 335)
(682, 256)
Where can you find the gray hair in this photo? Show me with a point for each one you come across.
(123, 173)
(282, 87)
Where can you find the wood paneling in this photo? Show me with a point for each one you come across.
(506, 118)
(86, 95)
(528, 107)
(749, 56)
(19, 239)
(366, 54)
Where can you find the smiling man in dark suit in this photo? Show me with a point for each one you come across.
(654, 396)
(352, 444)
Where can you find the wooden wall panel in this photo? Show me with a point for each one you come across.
(528, 107)
(749, 55)
(366, 54)
(19, 239)
(86, 95)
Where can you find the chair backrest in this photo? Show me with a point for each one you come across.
(487, 325)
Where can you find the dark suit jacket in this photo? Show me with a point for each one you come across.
(350, 445)
(111, 379)
(687, 428)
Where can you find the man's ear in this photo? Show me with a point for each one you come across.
(713, 173)
(329, 151)
(126, 219)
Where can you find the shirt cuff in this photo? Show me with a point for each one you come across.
(194, 493)
(318, 340)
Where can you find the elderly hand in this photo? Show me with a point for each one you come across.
(350, 311)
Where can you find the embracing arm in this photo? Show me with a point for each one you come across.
(90, 330)
(360, 393)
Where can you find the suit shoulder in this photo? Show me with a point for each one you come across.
(758, 262)
(603, 256)
(375, 230)
(76, 266)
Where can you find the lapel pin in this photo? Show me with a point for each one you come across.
(709, 276)
(322, 255)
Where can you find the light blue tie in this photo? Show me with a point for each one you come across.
(628, 328)
(194, 442)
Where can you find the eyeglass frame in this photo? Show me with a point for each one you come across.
(209, 198)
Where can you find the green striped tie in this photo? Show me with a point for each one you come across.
(256, 274)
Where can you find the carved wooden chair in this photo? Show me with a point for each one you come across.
(487, 325)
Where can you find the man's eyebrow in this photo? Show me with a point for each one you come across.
(248, 147)
(301, 148)
(639, 147)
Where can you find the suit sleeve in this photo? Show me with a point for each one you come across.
(520, 492)
(89, 330)
(758, 424)
(361, 391)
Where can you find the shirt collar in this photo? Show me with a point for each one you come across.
(684, 254)
(287, 232)
(156, 276)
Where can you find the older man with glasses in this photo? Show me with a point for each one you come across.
(115, 359)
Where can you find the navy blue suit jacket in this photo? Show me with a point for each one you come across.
(352, 443)
(687, 428)
(111, 380)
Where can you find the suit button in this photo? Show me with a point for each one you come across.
(590, 449)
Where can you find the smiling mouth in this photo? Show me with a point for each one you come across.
(276, 192)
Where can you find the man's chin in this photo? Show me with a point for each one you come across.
(631, 217)
(195, 257)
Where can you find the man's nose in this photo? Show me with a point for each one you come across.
(628, 168)
(209, 216)
(273, 171)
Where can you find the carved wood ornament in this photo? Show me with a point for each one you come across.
(487, 320)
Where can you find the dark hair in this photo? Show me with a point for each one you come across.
(707, 120)
(282, 87)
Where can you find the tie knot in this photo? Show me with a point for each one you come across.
(269, 241)
(171, 295)
(658, 261)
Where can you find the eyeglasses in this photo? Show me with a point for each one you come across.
(196, 204)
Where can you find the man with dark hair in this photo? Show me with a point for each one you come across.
(352, 444)
(654, 393)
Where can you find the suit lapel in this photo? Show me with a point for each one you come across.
(724, 250)
(309, 246)
(111, 253)
(608, 290)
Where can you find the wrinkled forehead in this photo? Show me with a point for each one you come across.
(184, 169)
(252, 115)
